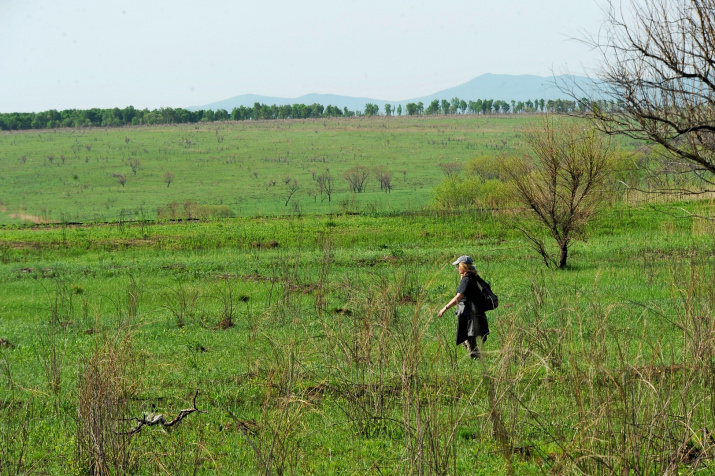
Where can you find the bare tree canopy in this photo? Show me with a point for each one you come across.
(658, 67)
(561, 181)
(356, 177)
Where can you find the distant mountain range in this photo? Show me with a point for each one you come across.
(487, 86)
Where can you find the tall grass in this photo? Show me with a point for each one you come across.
(106, 385)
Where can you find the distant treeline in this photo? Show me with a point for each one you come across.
(130, 116)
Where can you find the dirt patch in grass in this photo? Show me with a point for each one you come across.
(6, 344)
(225, 324)
(120, 244)
(25, 245)
(174, 266)
(303, 288)
(247, 427)
(407, 299)
(30, 218)
(265, 244)
(256, 277)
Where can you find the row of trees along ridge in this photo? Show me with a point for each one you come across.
(116, 117)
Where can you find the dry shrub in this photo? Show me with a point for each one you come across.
(621, 398)
(104, 388)
(434, 402)
(181, 301)
(388, 378)
(192, 210)
(275, 439)
(17, 421)
(358, 348)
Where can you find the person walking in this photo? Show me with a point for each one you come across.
(472, 323)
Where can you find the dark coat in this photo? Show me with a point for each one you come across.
(470, 322)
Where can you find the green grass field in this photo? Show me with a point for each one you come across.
(313, 338)
(72, 175)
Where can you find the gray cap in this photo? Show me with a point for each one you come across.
(463, 259)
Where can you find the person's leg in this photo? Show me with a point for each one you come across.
(482, 327)
(471, 345)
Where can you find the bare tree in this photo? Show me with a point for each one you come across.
(168, 177)
(384, 177)
(560, 181)
(121, 178)
(451, 169)
(293, 187)
(135, 165)
(325, 184)
(356, 177)
(657, 66)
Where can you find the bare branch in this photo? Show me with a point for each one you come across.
(158, 419)
(658, 66)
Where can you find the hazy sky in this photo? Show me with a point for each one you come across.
(61, 54)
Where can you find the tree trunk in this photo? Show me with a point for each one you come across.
(564, 255)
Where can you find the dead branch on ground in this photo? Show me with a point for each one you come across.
(151, 420)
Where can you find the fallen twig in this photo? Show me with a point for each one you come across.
(151, 420)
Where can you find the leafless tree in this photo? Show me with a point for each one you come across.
(292, 187)
(384, 177)
(168, 177)
(451, 169)
(325, 184)
(135, 165)
(561, 181)
(356, 177)
(658, 66)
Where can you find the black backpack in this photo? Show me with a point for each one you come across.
(486, 300)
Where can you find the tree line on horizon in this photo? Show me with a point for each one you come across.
(116, 117)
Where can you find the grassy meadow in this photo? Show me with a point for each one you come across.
(74, 175)
(304, 339)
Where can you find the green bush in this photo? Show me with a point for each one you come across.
(460, 193)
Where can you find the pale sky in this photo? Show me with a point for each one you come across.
(63, 54)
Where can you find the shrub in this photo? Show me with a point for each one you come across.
(457, 193)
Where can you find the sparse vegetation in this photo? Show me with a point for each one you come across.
(310, 335)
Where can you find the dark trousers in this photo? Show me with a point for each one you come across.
(471, 327)
(471, 345)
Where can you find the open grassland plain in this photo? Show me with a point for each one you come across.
(238, 169)
(313, 346)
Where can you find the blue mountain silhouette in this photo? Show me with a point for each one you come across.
(487, 86)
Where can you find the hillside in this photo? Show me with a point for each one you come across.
(116, 174)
